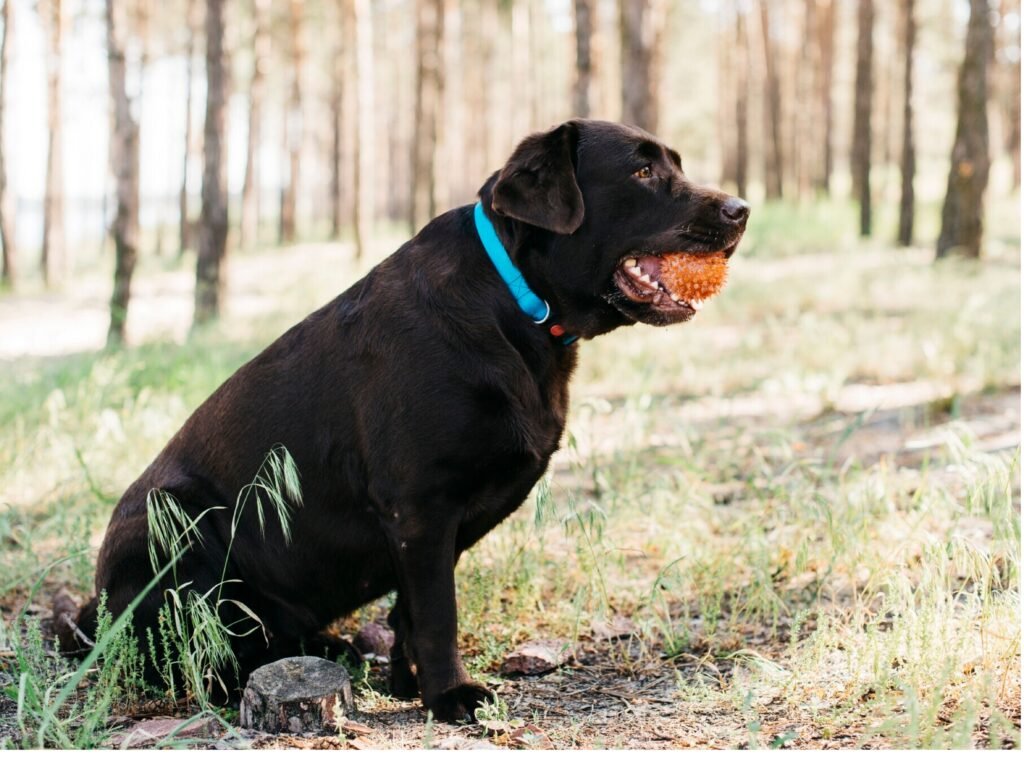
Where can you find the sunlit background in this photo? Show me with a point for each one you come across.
(793, 521)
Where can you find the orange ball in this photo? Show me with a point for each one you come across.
(694, 276)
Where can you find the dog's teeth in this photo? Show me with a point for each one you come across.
(675, 297)
(630, 262)
(634, 271)
(696, 303)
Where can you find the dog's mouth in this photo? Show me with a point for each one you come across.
(674, 285)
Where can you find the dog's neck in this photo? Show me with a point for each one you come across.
(527, 248)
(532, 305)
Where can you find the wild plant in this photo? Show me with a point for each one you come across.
(195, 642)
(191, 649)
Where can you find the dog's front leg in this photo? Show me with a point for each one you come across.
(425, 564)
(403, 679)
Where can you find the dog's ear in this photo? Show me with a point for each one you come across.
(538, 183)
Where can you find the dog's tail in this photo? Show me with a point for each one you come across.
(75, 628)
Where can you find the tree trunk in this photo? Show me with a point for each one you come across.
(364, 199)
(53, 254)
(905, 234)
(9, 268)
(477, 85)
(584, 13)
(540, 73)
(124, 164)
(887, 55)
(249, 225)
(963, 209)
(1011, 88)
(336, 101)
(453, 188)
(742, 98)
(826, 45)
(213, 217)
(860, 157)
(397, 79)
(642, 30)
(772, 110)
(300, 694)
(1013, 133)
(498, 138)
(183, 222)
(524, 116)
(725, 91)
(803, 120)
(292, 124)
(429, 31)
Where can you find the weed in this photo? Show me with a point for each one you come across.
(192, 648)
(495, 709)
(783, 476)
(195, 640)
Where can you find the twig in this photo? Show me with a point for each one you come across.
(78, 633)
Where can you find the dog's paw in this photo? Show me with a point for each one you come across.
(459, 704)
(404, 684)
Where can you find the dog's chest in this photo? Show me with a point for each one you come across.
(509, 464)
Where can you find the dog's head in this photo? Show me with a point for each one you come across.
(593, 208)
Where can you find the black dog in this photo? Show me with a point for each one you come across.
(421, 405)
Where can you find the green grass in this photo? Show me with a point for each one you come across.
(70, 704)
(739, 486)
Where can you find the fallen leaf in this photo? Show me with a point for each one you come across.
(351, 726)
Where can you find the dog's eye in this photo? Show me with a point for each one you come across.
(644, 173)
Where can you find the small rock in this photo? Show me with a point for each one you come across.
(302, 694)
(374, 639)
(537, 657)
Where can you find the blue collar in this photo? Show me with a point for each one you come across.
(532, 305)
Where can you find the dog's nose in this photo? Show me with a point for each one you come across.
(735, 210)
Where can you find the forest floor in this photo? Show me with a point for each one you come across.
(798, 513)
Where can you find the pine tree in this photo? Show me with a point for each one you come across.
(213, 218)
(963, 209)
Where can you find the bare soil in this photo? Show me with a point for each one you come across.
(623, 692)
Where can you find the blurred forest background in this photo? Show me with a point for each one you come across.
(152, 131)
(793, 521)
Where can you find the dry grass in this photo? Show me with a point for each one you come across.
(807, 501)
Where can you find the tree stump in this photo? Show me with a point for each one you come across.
(301, 694)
